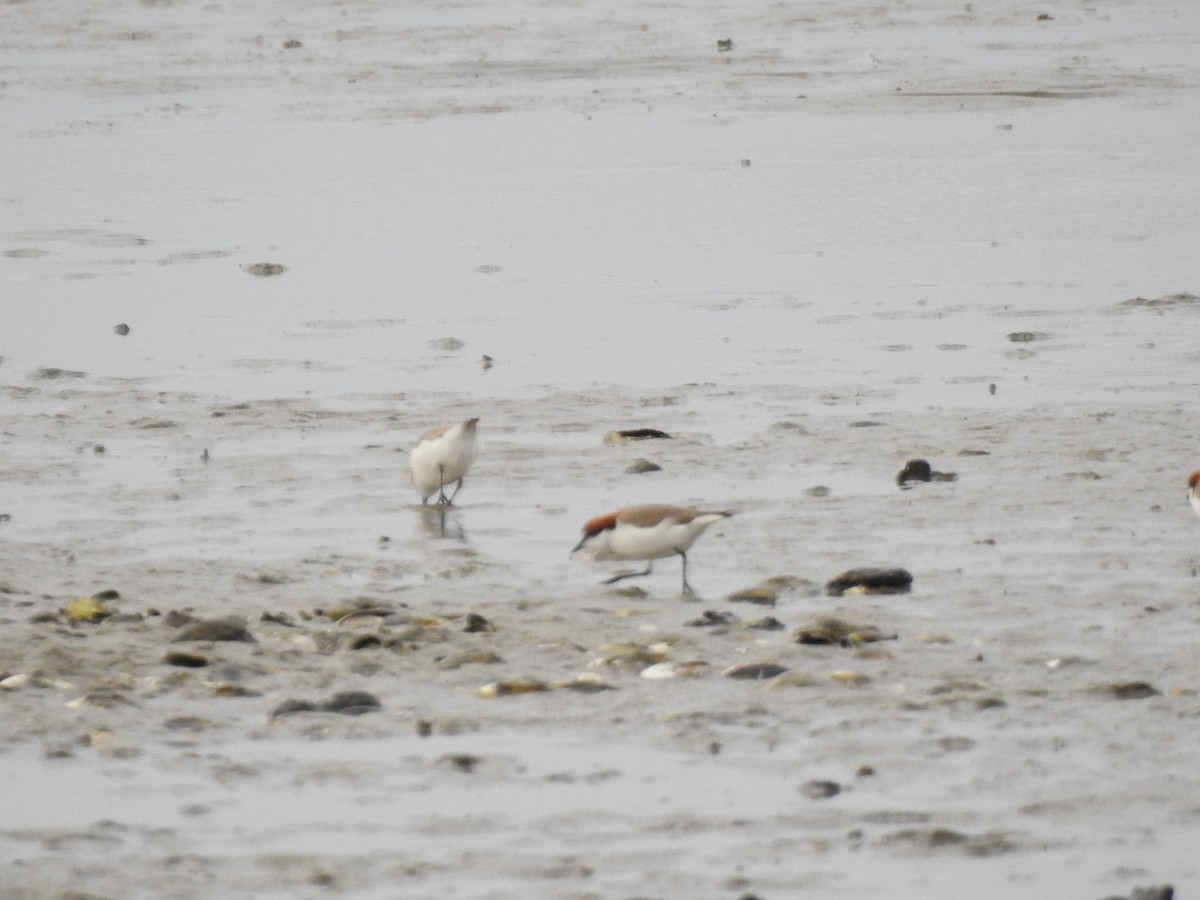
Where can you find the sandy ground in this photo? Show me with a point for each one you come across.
(863, 234)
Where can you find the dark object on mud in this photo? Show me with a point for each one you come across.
(49, 373)
(724, 45)
(487, 361)
(1183, 298)
(185, 660)
(477, 624)
(347, 703)
(1157, 892)
(754, 671)
(711, 617)
(763, 596)
(121, 329)
(918, 470)
(641, 467)
(1125, 690)
(352, 703)
(215, 630)
(770, 623)
(107, 594)
(870, 580)
(265, 270)
(832, 630)
(818, 789)
(643, 434)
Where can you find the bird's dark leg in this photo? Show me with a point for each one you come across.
(455, 494)
(687, 588)
(442, 485)
(617, 578)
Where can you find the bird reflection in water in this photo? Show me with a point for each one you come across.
(442, 521)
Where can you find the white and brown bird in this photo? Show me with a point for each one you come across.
(650, 532)
(443, 456)
(1194, 491)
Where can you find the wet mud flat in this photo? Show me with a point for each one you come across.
(1023, 721)
(249, 255)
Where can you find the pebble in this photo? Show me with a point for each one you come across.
(264, 269)
(642, 467)
(832, 630)
(688, 668)
(918, 470)
(870, 580)
(763, 596)
(215, 630)
(754, 671)
(1126, 690)
(818, 789)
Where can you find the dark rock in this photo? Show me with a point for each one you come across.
(265, 270)
(186, 660)
(215, 630)
(754, 671)
(643, 434)
(109, 594)
(918, 470)
(870, 580)
(711, 617)
(764, 596)
(832, 630)
(121, 329)
(477, 624)
(770, 623)
(352, 703)
(820, 790)
(642, 467)
(290, 707)
(1126, 690)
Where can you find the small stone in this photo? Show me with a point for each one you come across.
(352, 703)
(185, 660)
(264, 269)
(685, 668)
(724, 45)
(754, 671)
(818, 789)
(215, 630)
(1126, 690)
(769, 623)
(450, 343)
(641, 467)
(919, 470)
(121, 329)
(763, 596)
(291, 707)
(711, 617)
(477, 624)
(477, 657)
(635, 434)
(870, 580)
(512, 687)
(87, 609)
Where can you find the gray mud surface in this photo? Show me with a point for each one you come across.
(314, 220)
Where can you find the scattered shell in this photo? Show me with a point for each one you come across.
(121, 329)
(511, 687)
(585, 683)
(641, 467)
(871, 580)
(290, 707)
(476, 657)
(1125, 690)
(450, 343)
(352, 703)
(754, 671)
(49, 373)
(769, 623)
(818, 789)
(87, 609)
(849, 676)
(687, 668)
(761, 595)
(631, 655)
(215, 630)
(264, 269)
(792, 679)
(635, 434)
(711, 617)
(832, 630)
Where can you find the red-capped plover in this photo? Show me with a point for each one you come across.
(647, 532)
(443, 456)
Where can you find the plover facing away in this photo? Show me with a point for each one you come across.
(650, 532)
(443, 456)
